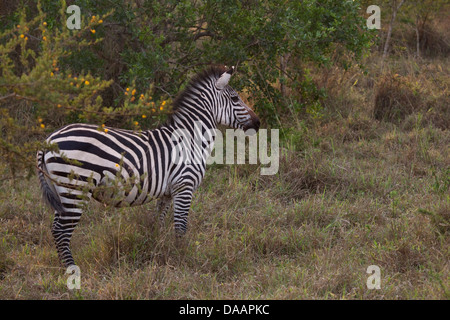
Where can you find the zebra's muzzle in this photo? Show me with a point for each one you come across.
(252, 126)
(253, 122)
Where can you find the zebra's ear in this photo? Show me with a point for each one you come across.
(224, 79)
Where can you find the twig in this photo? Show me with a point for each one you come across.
(8, 96)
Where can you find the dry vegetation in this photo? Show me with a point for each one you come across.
(366, 184)
(361, 186)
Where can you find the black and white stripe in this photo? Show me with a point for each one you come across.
(127, 168)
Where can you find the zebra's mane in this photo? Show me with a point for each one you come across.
(212, 72)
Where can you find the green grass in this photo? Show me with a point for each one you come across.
(351, 192)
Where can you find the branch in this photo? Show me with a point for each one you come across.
(8, 96)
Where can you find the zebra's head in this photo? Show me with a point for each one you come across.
(230, 109)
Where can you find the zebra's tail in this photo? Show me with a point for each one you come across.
(48, 192)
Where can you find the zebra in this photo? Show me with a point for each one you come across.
(93, 161)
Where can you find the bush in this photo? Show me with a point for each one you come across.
(123, 65)
(394, 99)
(433, 41)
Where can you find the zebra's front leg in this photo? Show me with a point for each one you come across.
(181, 203)
(162, 206)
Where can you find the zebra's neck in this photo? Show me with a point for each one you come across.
(198, 126)
(196, 103)
(194, 112)
(190, 118)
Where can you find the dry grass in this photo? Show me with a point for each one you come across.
(353, 190)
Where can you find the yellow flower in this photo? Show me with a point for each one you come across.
(26, 38)
(22, 36)
(153, 110)
(86, 82)
(59, 106)
(128, 89)
(106, 130)
(132, 99)
(42, 125)
(18, 26)
(133, 92)
(75, 78)
(136, 123)
(100, 21)
(117, 165)
(40, 119)
(144, 116)
(161, 108)
(103, 125)
(51, 74)
(163, 103)
(44, 38)
(44, 23)
(93, 31)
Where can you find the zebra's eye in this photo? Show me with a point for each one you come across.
(235, 98)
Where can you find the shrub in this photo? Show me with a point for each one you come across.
(394, 99)
(123, 65)
(38, 92)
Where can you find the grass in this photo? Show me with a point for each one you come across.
(353, 190)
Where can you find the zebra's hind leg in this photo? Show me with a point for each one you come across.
(64, 224)
(162, 207)
(62, 229)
